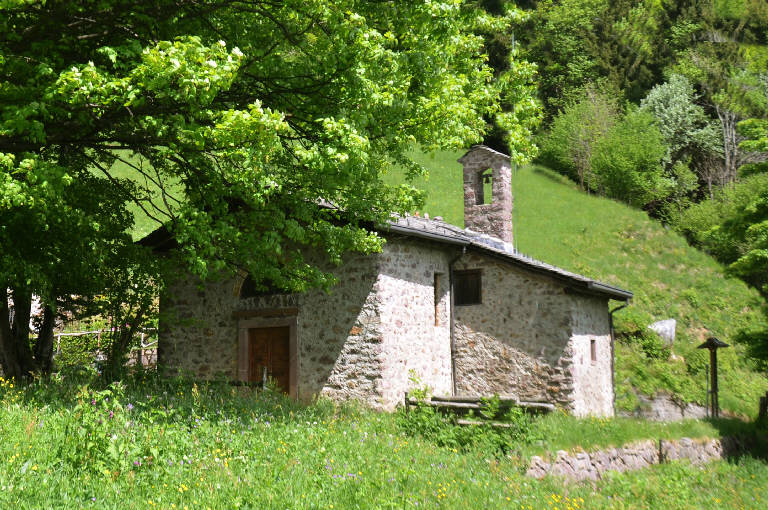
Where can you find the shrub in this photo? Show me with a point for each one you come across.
(443, 430)
(627, 161)
(570, 145)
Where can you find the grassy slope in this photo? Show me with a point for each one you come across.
(167, 443)
(609, 241)
(143, 224)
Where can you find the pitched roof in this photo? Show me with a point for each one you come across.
(482, 149)
(439, 231)
(162, 240)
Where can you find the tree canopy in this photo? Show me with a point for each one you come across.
(229, 123)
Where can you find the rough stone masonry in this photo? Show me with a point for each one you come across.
(577, 466)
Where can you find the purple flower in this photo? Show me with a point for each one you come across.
(93, 402)
(129, 406)
(136, 463)
(111, 414)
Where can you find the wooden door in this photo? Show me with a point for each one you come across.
(269, 347)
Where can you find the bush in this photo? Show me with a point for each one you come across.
(443, 430)
(570, 145)
(628, 161)
(77, 351)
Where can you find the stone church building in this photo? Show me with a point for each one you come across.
(457, 308)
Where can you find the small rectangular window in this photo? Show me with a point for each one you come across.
(593, 350)
(467, 287)
(436, 298)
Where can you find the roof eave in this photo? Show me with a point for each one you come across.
(590, 287)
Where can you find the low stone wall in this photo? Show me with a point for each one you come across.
(663, 407)
(577, 466)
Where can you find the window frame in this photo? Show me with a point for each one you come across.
(460, 273)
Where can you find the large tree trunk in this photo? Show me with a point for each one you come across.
(16, 355)
(11, 366)
(22, 309)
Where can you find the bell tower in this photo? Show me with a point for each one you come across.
(488, 192)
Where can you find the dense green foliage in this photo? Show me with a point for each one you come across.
(700, 67)
(237, 120)
(687, 130)
(733, 227)
(151, 442)
(606, 240)
(571, 143)
(628, 47)
(621, 46)
(628, 158)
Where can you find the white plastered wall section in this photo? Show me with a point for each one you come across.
(593, 390)
(412, 341)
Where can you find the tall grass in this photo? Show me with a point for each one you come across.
(170, 443)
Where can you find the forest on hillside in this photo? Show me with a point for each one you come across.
(662, 105)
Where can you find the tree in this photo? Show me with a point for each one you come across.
(621, 45)
(511, 130)
(227, 122)
(718, 62)
(570, 145)
(628, 161)
(687, 130)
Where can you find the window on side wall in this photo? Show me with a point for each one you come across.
(467, 287)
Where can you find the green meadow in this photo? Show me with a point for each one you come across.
(152, 442)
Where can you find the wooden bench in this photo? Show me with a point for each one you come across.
(466, 402)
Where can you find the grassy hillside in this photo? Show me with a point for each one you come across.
(603, 239)
(154, 442)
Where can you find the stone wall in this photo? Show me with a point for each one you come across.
(339, 334)
(361, 341)
(197, 333)
(576, 466)
(518, 340)
(357, 342)
(532, 339)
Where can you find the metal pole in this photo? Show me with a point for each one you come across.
(706, 400)
(715, 403)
